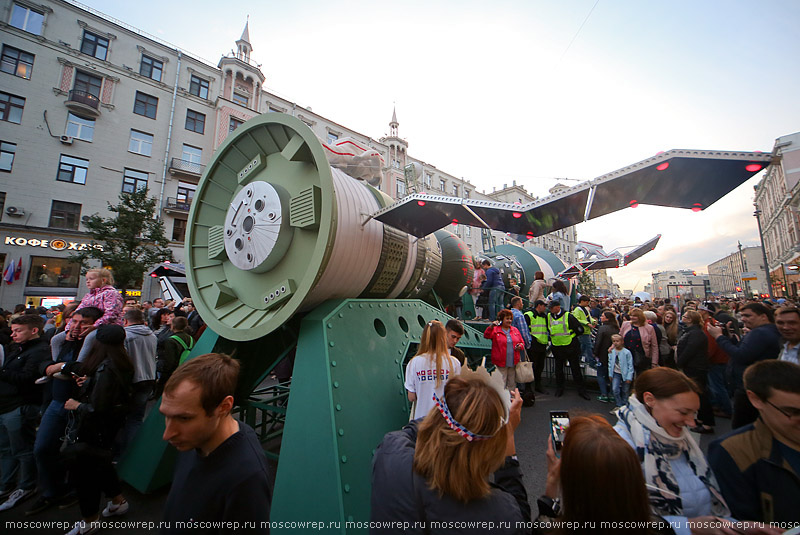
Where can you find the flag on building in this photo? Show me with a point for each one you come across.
(8, 274)
(18, 272)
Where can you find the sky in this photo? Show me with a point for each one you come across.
(532, 90)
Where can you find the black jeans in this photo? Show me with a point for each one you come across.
(571, 354)
(90, 473)
(537, 353)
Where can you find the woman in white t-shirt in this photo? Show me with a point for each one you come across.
(430, 369)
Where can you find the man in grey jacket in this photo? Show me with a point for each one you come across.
(140, 343)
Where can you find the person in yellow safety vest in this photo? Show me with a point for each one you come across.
(581, 313)
(540, 338)
(564, 328)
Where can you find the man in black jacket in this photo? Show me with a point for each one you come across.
(20, 399)
(761, 343)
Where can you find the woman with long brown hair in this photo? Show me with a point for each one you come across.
(429, 370)
(670, 324)
(439, 468)
(595, 457)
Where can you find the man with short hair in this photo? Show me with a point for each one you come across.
(758, 465)
(761, 343)
(539, 341)
(66, 349)
(140, 343)
(20, 399)
(564, 329)
(158, 304)
(221, 473)
(787, 320)
(453, 333)
(495, 286)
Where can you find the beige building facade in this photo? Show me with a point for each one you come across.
(725, 274)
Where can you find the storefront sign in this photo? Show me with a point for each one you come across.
(57, 244)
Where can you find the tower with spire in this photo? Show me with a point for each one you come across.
(398, 148)
(242, 78)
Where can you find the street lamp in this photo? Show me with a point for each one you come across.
(757, 215)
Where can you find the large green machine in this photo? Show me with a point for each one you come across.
(288, 258)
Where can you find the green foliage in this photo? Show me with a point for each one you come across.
(133, 241)
(586, 285)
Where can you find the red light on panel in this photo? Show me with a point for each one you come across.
(697, 207)
(662, 166)
(516, 215)
(153, 275)
(634, 203)
(753, 167)
(455, 221)
(421, 203)
(530, 234)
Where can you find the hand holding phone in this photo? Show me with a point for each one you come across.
(559, 421)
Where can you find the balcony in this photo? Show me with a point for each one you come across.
(178, 166)
(180, 206)
(84, 103)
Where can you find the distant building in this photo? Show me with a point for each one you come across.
(777, 202)
(725, 274)
(684, 283)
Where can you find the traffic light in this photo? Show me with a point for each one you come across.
(738, 288)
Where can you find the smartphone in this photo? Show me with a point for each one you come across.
(559, 421)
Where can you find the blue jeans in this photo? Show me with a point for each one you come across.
(602, 378)
(620, 389)
(17, 433)
(586, 348)
(719, 388)
(46, 450)
(495, 302)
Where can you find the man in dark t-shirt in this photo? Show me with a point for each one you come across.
(221, 473)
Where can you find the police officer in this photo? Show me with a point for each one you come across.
(537, 318)
(581, 313)
(564, 329)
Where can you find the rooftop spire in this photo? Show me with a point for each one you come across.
(394, 115)
(246, 33)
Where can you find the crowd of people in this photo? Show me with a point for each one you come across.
(668, 370)
(75, 384)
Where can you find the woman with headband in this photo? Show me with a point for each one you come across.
(435, 472)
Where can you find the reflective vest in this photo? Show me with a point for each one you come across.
(560, 334)
(538, 327)
(581, 316)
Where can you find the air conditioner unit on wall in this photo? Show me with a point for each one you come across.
(66, 140)
(14, 211)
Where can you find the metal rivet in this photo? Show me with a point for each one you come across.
(399, 376)
(361, 305)
(350, 305)
(330, 326)
(347, 488)
(336, 384)
(338, 407)
(331, 344)
(333, 363)
(341, 315)
(344, 458)
(397, 361)
(341, 432)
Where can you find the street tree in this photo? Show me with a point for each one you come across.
(132, 239)
(586, 285)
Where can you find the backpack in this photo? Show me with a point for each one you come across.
(186, 349)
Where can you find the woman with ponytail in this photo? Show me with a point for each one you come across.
(429, 370)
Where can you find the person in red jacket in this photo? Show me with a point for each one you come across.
(507, 345)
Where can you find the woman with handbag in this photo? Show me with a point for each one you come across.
(507, 346)
(640, 340)
(97, 414)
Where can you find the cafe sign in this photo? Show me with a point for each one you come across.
(57, 245)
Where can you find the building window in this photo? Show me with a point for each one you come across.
(198, 87)
(467, 231)
(72, 170)
(65, 215)
(151, 67)
(428, 179)
(54, 272)
(186, 192)
(274, 110)
(234, 124)
(80, 128)
(94, 45)
(140, 143)
(178, 229)
(146, 105)
(442, 185)
(27, 19)
(466, 193)
(2, 205)
(240, 99)
(401, 188)
(332, 137)
(195, 121)
(16, 62)
(455, 190)
(7, 151)
(88, 84)
(395, 163)
(11, 108)
(192, 154)
(133, 181)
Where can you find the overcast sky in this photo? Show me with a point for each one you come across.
(532, 90)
